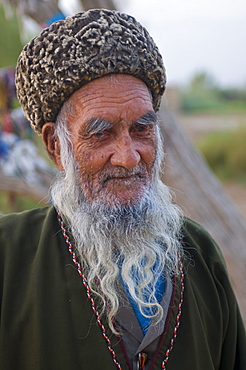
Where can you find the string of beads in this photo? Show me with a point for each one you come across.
(98, 316)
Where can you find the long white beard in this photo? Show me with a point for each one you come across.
(134, 237)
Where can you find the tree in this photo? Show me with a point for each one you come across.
(9, 39)
(40, 11)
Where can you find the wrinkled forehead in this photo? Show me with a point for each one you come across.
(112, 89)
(115, 98)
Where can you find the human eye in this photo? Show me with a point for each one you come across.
(143, 127)
(146, 124)
(142, 130)
(100, 134)
(98, 128)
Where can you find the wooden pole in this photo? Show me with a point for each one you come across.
(203, 199)
(14, 185)
(39, 11)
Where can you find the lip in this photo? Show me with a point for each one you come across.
(122, 179)
(128, 177)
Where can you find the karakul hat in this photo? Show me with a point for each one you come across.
(81, 48)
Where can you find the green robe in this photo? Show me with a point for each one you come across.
(47, 321)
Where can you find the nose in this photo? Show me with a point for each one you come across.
(125, 153)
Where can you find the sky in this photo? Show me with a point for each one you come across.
(194, 36)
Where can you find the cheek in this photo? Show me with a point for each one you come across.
(152, 154)
(91, 162)
(148, 153)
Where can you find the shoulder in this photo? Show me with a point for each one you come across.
(195, 231)
(19, 223)
(204, 261)
(22, 229)
(22, 217)
(198, 241)
(205, 267)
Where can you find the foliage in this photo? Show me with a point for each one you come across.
(203, 94)
(225, 153)
(10, 202)
(10, 42)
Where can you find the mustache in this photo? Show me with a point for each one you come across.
(121, 172)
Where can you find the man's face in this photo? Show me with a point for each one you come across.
(112, 127)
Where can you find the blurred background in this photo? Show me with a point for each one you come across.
(203, 116)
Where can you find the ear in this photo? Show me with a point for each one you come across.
(52, 144)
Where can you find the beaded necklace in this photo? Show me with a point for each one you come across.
(98, 316)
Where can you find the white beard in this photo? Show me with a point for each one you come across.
(135, 237)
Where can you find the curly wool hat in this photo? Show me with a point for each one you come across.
(81, 48)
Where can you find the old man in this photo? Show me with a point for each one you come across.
(112, 276)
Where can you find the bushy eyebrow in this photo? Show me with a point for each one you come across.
(96, 125)
(149, 118)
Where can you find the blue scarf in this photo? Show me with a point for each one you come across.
(144, 322)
